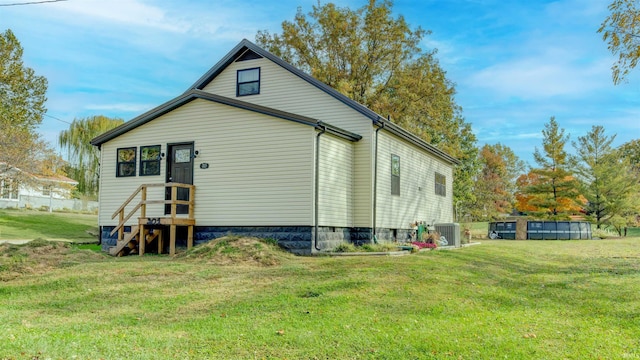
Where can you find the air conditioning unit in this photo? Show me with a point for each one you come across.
(451, 233)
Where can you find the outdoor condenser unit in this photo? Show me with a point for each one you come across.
(451, 232)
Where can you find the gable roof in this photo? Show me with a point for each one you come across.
(194, 94)
(244, 45)
(8, 169)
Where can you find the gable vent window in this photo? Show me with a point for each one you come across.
(441, 185)
(395, 175)
(248, 82)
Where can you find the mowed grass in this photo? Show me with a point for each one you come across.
(500, 299)
(31, 224)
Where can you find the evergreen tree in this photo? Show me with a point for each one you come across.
(604, 175)
(556, 193)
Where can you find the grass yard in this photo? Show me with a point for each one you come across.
(500, 299)
(32, 224)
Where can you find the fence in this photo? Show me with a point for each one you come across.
(540, 230)
(40, 202)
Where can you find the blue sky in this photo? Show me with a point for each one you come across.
(515, 63)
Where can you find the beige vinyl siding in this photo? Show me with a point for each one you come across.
(260, 167)
(283, 90)
(335, 205)
(417, 200)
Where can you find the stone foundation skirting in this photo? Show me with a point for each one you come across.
(296, 239)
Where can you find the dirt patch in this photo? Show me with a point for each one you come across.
(229, 250)
(40, 256)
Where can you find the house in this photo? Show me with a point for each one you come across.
(269, 151)
(20, 189)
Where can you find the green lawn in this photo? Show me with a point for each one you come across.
(31, 224)
(500, 299)
(633, 232)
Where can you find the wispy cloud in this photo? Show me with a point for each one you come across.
(541, 77)
(123, 13)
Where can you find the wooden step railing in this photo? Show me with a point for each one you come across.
(143, 220)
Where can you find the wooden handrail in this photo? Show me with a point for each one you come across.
(126, 202)
(143, 202)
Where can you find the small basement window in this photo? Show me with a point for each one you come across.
(395, 175)
(126, 162)
(248, 82)
(149, 160)
(441, 185)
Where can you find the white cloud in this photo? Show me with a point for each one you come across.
(122, 12)
(542, 76)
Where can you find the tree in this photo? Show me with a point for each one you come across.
(496, 183)
(524, 201)
(375, 59)
(22, 99)
(555, 194)
(621, 30)
(631, 151)
(84, 157)
(604, 175)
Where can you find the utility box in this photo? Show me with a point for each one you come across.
(451, 232)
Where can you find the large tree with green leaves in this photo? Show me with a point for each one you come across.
(22, 106)
(82, 156)
(555, 192)
(606, 177)
(631, 151)
(621, 30)
(495, 186)
(375, 59)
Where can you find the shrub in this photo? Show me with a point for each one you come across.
(344, 247)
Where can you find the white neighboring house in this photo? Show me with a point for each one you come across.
(270, 152)
(19, 189)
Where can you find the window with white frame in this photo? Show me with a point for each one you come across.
(395, 174)
(441, 185)
(8, 189)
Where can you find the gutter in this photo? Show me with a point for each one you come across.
(322, 129)
(380, 125)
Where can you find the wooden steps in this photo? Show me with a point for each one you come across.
(153, 227)
(126, 242)
(131, 240)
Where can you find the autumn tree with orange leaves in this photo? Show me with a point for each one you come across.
(496, 184)
(550, 191)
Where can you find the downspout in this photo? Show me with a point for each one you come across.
(380, 125)
(322, 129)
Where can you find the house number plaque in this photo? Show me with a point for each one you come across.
(204, 166)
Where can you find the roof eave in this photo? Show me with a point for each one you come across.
(406, 135)
(199, 94)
